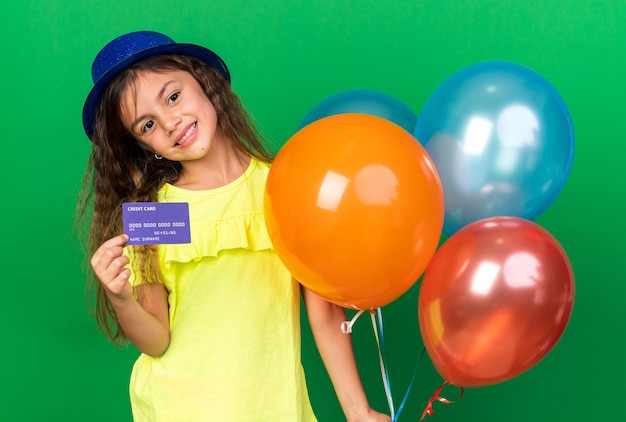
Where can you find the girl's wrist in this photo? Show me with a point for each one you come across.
(358, 413)
(118, 300)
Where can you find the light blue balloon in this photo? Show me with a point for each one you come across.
(501, 139)
(363, 101)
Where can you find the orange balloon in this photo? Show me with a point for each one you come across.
(354, 207)
(494, 300)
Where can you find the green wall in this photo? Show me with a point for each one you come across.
(285, 56)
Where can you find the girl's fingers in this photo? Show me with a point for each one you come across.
(106, 260)
(119, 285)
(114, 277)
(108, 263)
(117, 241)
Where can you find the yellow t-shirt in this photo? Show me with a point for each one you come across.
(234, 317)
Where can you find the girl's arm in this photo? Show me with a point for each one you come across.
(337, 353)
(145, 321)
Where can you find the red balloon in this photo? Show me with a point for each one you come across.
(354, 208)
(494, 300)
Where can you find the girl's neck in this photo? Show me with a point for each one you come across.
(220, 167)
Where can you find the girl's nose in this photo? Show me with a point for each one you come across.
(171, 123)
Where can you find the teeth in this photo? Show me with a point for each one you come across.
(186, 135)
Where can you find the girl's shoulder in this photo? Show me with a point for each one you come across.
(260, 166)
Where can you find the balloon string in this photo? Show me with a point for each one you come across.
(379, 334)
(429, 407)
(346, 326)
(406, 395)
(383, 368)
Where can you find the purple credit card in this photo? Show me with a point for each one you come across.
(152, 223)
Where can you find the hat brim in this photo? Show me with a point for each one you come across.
(204, 54)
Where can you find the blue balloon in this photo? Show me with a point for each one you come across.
(363, 101)
(502, 141)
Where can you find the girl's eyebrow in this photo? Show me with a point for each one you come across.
(158, 97)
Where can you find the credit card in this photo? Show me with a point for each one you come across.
(154, 223)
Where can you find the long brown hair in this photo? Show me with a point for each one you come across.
(120, 170)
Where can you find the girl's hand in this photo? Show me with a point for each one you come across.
(109, 263)
(145, 321)
(371, 416)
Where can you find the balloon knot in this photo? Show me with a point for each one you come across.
(429, 411)
(346, 326)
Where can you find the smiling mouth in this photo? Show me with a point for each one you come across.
(187, 134)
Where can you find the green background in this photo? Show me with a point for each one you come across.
(285, 56)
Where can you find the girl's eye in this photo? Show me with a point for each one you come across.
(173, 97)
(147, 126)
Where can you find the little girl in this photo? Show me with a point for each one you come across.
(216, 320)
